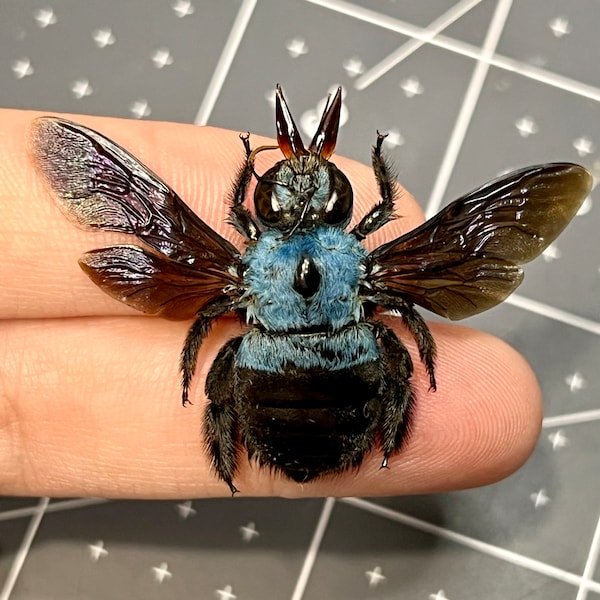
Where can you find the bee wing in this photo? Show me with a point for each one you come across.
(467, 258)
(101, 186)
(151, 283)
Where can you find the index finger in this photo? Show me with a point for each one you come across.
(39, 271)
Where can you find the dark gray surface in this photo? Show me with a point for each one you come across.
(416, 564)
(204, 551)
(527, 537)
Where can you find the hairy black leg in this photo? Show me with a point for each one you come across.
(195, 336)
(189, 355)
(398, 399)
(239, 216)
(417, 327)
(220, 419)
(382, 212)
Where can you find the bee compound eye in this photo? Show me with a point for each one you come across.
(266, 204)
(338, 209)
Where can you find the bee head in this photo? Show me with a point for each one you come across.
(305, 189)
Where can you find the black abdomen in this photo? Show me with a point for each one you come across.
(309, 422)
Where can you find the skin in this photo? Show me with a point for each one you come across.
(89, 388)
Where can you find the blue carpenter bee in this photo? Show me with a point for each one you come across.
(317, 380)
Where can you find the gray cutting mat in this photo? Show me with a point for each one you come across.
(467, 90)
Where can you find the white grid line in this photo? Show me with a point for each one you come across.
(27, 511)
(508, 556)
(408, 48)
(468, 107)
(585, 416)
(547, 77)
(23, 550)
(384, 21)
(590, 564)
(462, 48)
(225, 60)
(313, 549)
(556, 314)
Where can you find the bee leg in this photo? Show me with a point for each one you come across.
(417, 327)
(189, 355)
(398, 398)
(220, 420)
(194, 338)
(382, 212)
(239, 215)
(415, 323)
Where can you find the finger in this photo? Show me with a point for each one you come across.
(39, 270)
(92, 407)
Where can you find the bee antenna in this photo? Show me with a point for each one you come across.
(299, 221)
(262, 179)
(252, 155)
(251, 158)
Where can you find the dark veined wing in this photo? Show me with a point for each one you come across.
(101, 186)
(467, 258)
(152, 283)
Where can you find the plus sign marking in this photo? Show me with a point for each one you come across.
(526, 126)
(249, 532)
(103, 37)
(226, 593)
(539, 498)
(558, 440)
(576, 382)
(186, 510)
(45, 17)
(162, 572)
(22, 68)
(560, 26)
(375, 577)
(97, 550)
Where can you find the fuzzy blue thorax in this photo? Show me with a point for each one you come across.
(321, 331)
(270, 299)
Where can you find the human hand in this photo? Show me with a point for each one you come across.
(89, 393)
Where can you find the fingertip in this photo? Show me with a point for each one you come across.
(486, 415)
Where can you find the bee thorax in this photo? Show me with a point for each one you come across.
(307, 278)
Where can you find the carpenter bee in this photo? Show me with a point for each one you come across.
(317, 380)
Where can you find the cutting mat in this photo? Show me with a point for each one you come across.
(466, 90)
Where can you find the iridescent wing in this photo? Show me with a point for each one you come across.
(101, 186)
(467, 258)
